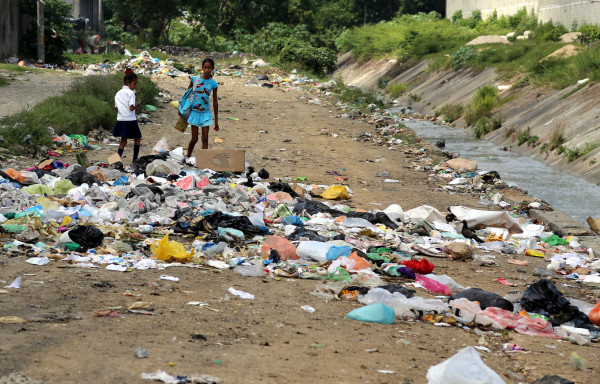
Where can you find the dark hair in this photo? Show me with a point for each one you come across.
(209, 60)
(129, 77)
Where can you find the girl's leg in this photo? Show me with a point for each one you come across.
(205, 137)
(136, 148)
(122, 146)
(193, 140)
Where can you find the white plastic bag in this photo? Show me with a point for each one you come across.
(465, 367)
(161, 146)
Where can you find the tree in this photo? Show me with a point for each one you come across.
(412, 7)
(56, 28)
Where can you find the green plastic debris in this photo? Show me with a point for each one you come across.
(32, 212)
(554, 240)
(38, 189)
(10, 215)
(71, 246)
(81, 140)
(14, 228)
(62, 187)
(377, 257)
(340, 274)
(150, 108)
(301, 178)
(282, 211)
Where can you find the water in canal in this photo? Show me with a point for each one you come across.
(576, 197)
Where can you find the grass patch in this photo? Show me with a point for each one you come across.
(16, 69)
(85, 59)
(557, 139)
(4, 81)
(88, 104)
(451, 112)
(527, 137)
(355, 96)
(479, 113)
(396, 90)
(579, 151)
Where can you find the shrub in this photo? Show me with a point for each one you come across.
(579, 151)
(451, 112)
(526, 137)
(479, 112)
(396, 90)
(461, 57)
(318, 60)
(355, 95)
(588, 34)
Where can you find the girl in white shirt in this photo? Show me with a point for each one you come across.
(127, 126)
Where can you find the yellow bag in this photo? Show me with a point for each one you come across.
(336, 192)
(181, 124)
(170, 251)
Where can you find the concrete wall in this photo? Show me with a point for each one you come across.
(11, 28)
(506, 7)
(562, 11)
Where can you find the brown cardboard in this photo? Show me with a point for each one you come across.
(115, 158)
(230, 160)
(594, 223)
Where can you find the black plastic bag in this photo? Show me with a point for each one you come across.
(263, 174)
(303, 232)
(241, 223)
(377, 218)
(398, 288)
(283, 187)
(553, 379)
(87, 236)
(140, 164)
(83, 177)
(484, 298)
(543, 297)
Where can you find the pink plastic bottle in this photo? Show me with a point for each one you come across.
(433, 285)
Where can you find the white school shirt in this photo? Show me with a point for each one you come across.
(123, 99)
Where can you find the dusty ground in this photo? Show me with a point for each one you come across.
(29, 88)
(269, 339)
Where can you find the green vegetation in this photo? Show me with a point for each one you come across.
(93, 59)
(356, 96)
(451, 112)
(396, 90)
(579, 151)
(88, 104)
(461, 57)
(4, 81)
(478, 114)
(526, 137)
(56, 29)
(557, 139)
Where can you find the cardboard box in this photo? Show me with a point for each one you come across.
(231, 160)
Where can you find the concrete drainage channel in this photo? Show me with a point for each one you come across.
(528, 174)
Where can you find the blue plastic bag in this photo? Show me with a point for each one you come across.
(374, 313)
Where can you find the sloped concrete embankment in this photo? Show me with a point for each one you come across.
(576, 111)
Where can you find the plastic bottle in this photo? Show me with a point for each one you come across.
(433, 285)
(314, 250)
(250, 270)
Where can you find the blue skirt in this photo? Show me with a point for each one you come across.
(127, 129)
(200, 119)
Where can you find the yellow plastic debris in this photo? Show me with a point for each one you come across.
(336, 192)
(170, 251)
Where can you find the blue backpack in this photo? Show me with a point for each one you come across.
(187, 100)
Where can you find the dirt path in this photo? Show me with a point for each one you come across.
(269, 339)
(29, 88)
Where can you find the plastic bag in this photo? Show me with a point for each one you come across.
(485, 299)
(162, 167)
(464, 310)
(336, 192)
(286, 250)
(170, 251)
(375, 313)
(160, 147)
(465, 367)
(433, 285)
(87, 236)
(63, 186)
